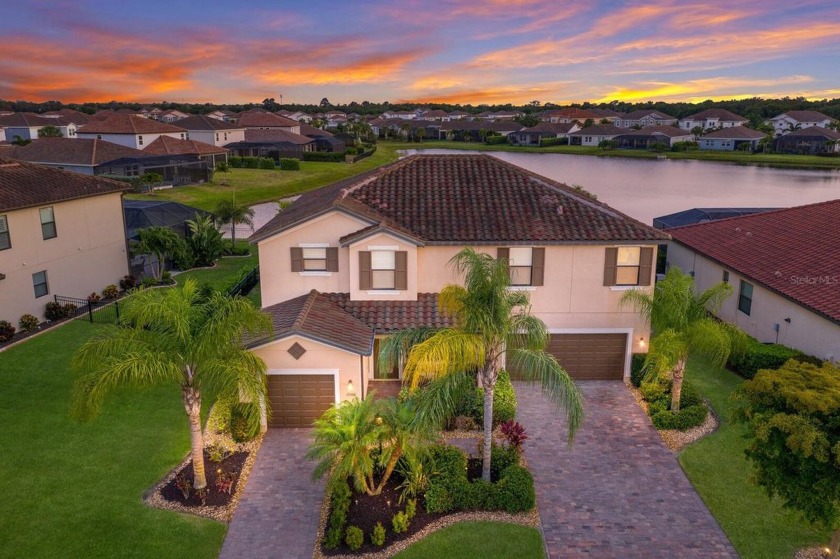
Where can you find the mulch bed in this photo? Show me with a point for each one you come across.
(366, 511)
(232, 465)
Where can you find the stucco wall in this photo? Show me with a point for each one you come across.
(88, 254)
(806, 331)
(130, 140)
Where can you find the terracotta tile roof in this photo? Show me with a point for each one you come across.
(805, 116)
(76, 117)
(600, 130)
(580, 114)
(258, 119)
(467, 199)
(129, 124)
(167, 145)
(794, 252)
(737, 133)
(203, 122)
(550, 128)
(310, 131)
(720, 114)
(31, 120)
(256, 135)
(815, 131)
(24, 185)
(389, 316)
(73, 151)
(316, 317)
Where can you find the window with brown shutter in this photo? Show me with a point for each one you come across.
(609, 265)
(525, 264)
(401, 270)
(332, 259)
(297, 259)
(628, 265)
(538, 266)
(314, 259)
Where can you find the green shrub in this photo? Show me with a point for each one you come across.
(515, 490)
(244, 422)
(56, 311)
(652, 391)
(637, 361)
(289, 164)
(690, 395)
(656, 406)
(110, 291)
(502, 457)
(148, 281)
(494, 140)
(128, 282)
(439, 499)
(251, 162)
(28, 322)
(377, 537)
(218, 420)
(504, 402)
(766, 356)
(685, 419)
(267, 163)
(7, 331)
(545, 142)
(479, 495)
(355, 538)
(411, 509)
(400, 523)
(340, 496)
(235, 161)
(324, 156)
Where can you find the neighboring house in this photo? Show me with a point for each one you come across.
(213, 131)
(61, 233)
(702, 215)
(459, 115)
(498, 116)
(298, 116)
(713, 118)
(606, 114)
(354, 261)
(324, 141)
(784, 266)
(594, 135)
(797, 120)
(459, 129)
(3, 134)
(223, 114)
(172, 146)
(173, 169)
(566, 116)
(171, 116)
(130, 130)
(645, 118)
(27, 125)
(76, 117)
(274, 143)
(435, 114)
(648, 136)
(79, 155)
(264, 120)
(532, 136)
(405, 115)
(731, 139)
(812, 140)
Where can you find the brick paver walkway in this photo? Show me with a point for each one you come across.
(279, 511)
(618, 492)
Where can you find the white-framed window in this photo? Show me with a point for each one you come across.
(39, 283)
(383, 267)
(139, 140)
(48, 229)
(627, 265)
(5, 238)
(314, 259)
(521, 265)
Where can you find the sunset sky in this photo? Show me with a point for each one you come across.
(459, 51)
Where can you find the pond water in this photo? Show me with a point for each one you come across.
(647, 188)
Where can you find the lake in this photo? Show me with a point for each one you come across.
(647, 188)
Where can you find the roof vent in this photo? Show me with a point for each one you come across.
(777, 273)
(748, 234)
(737, 229)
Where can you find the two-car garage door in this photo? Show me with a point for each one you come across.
(589, 356)
(299, 399)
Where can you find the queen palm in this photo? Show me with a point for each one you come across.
(177, 337)
(682, 326)
(229, 212)
(491, 322)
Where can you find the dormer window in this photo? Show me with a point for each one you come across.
(383, 270)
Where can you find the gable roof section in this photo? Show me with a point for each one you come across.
(30, 120)
(73, 151)
(316, 317)
(24, 185)
(737, 133)
(257, 119)
(640, 114)
(275, 135)
(794, 252)
(204, 123)
(467, 199)
(814, 131)
(167, 145)
(720, 114)
(804, 116)
(120, 123)
(390, 316)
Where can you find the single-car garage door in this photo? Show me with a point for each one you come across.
(298, 400)
(589, 356)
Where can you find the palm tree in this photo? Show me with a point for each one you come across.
(161, 242)
(228, 212)
(682, 326)
(174, 336)
(50, 131)
(223, 167)
(491, 323)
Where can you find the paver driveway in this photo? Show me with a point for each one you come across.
(278, 513)
(618, 491)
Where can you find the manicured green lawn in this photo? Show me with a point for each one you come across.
(254, 186)
(71, 490)
(769, 159)
(716, 465)
(226, 269)
(488, 540)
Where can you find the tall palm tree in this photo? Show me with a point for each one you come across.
(682, 326)
(229, 212)
(160, 242)
(174, 336)
(491, 323)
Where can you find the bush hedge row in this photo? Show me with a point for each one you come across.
(766, 356)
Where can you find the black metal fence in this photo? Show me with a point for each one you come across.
(246, 284)
(96, 311)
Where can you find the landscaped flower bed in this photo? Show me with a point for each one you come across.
(222, 481)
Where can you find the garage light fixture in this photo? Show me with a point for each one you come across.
(351, 392)
(642, 341)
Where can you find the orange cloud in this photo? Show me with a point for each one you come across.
(700, 89)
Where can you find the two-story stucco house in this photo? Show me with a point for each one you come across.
(798, 120)
(212, 131)
(351, 262)
(784, 266)
(711, 119)
(130, 130)
(61, 233)
(28, 125)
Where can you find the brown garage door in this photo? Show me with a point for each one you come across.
(298, 400)
(588, 356)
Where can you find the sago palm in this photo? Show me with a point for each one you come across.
(176, 337)
(492, 323)
(682, 325)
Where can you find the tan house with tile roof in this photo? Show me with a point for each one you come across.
(376, 247)
(77, 155)
(61, 233)
(211, 130)
(130, 130)
(784, 266)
